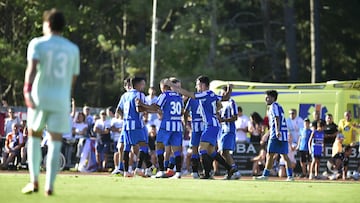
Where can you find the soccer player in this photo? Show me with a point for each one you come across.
(278, 139)
(226, 142)
(192, 108)
(53, 64)
(171, 128)
(134, 125)
(210, 105)
(123, 151)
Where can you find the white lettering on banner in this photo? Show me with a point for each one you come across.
(328, 151)
(241, 148)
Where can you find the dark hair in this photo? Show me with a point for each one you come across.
(203, 79)
(174, 80)
(321, 123)
(136, 80)
(347, 148)
(55, 18)
(256, 117)
(272, 93)
(127, 82)
(240, 109)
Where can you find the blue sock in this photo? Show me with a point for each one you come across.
(34, 158)
(266, 172)
(172, 160)
(289, 172)
(52, 163)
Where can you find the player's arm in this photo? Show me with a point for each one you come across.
(227, 94)
(142, 107)
(277, 126)
(179, 89)
(30, 74)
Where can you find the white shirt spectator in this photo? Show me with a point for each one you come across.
(117, 123)
(294, 125)
(241, 124)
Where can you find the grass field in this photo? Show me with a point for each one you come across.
(80, 188)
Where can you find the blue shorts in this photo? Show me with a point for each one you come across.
(103, 148)
(121, 140)
(133, 137)
(169, 138)
(210, 135)
(195, 138)
(276, 146)
(227, 141)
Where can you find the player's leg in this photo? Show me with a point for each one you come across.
(57, 125)
(206, 160)
(162, 139)
(52, 162)
(176, 147)
(288, 167)
(36, 123)
(195, 158)
(272, 149)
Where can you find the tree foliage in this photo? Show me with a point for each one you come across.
(229, 40)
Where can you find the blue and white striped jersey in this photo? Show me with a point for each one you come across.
(228, 110)
(172, 105)
(207, 101)
(193, 107)
(132, 118)
(275, 110)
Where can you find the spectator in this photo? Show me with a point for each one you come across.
(102, 130)
(259, 163)
(291, 155)
(294, 123)
(68, 145)
(338, 164)
(255, 127)
(241, 126)
(23, 150)
(89, 119)
(80, 130)
(152, 118)
(116, 128)
(152, 141)
(316, 116)
(347, 128)
(10, 120)
(13, 143)
(316, 145)
(337, 146)
(331, 130)
(303, 147)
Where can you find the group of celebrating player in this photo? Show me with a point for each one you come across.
(212, 118)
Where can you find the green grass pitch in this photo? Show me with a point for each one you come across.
(80, 188)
